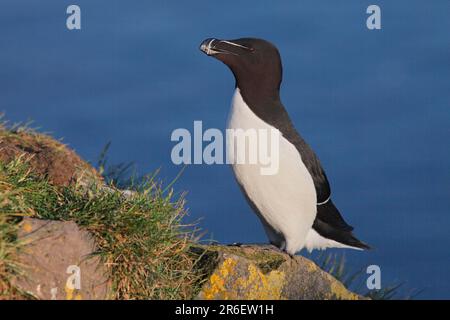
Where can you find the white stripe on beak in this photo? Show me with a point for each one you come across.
(236, 45)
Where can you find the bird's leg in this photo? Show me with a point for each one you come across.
(274, 247)
(266, 246)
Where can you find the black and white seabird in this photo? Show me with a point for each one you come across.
(294, 205)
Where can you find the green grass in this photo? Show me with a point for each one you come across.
(141, 238)
(9, 244)
(336, 265)
(8, 128)
(9, 268)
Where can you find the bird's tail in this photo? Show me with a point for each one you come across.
(331, 231)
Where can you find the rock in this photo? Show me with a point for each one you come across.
(55, 255)
(47, 157)
(260, 272)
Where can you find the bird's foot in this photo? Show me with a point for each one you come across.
(265, 246)
(235, 244)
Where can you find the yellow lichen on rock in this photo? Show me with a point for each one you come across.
(249, 283)
(227, 267)
(69, 293)
(216, 287)
(312, 267)
(341, 293)
(258, 286)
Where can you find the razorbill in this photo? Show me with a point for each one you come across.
(294, 205)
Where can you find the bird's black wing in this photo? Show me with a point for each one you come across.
(327, 213)
(328, 222)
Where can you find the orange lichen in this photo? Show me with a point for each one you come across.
(27, 227)
(217, 281)
(258, 286)
(254, 284)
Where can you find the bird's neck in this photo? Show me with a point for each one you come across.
(265, 103)
(259, 93)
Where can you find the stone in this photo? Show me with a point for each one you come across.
(262, 273)
(57, 262)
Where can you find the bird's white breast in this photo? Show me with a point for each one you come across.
(287, 199)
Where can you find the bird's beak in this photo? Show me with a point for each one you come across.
(213, 46)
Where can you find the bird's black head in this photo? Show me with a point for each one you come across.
(255, 63)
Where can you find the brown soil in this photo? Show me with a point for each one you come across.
(48, 157)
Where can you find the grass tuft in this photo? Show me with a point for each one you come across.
(336, 265)
(140, 237)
